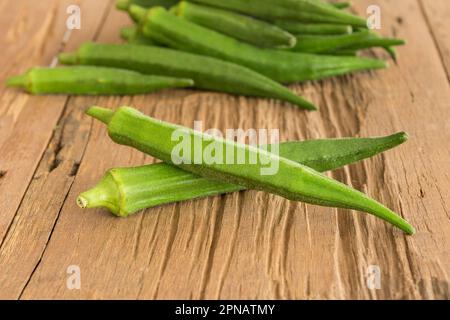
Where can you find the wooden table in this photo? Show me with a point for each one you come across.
(248, 245)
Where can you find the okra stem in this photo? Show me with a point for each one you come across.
(291, 180)
(18, 81)
(106, 194)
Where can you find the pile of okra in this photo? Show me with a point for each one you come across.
(241, 47)
(254, 48)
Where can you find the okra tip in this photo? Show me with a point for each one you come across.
(386, 214)
(410, 230)
(405, 226)
(183, 83)
(305, 104)
(396, 138)
(300, 102)
(102, 114)
(402, 136)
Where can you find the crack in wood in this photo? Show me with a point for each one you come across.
(45, 246)
(218, 217)
(73, 172)
(56, 161)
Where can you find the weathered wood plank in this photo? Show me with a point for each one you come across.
(31, 122)
(436, 14)
(22, 139)
(39, 210)
(254, 245)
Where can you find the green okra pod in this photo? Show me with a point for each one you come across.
(245, 28)
(301, 28)
(282, 66)
(375, 41)
(324, 44)
(207, 73)
(125, 191)
(302, 10)
(216, 159)
(92, 81)
(322, 8)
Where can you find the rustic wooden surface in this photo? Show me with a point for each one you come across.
(243, 245)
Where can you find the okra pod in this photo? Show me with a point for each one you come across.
(302, 10)
(282, 66)
(245, 28)
(322, 8)
(373, 41)
(207, 73)
(125, 191)
(92, 81)
(301, 28)
(323, 44)
(216, 159)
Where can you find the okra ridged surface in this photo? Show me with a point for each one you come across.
(291, 180)
(207, 73)
(301, 10)
(282, 66)
(301, 28)
(93, 81)
(324, 44)
(241, 27)
(125, 191)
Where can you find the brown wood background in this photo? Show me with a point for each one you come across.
(247, 245)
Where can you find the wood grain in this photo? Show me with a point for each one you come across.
(436, 15)
(32, 122)
(248, 245)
